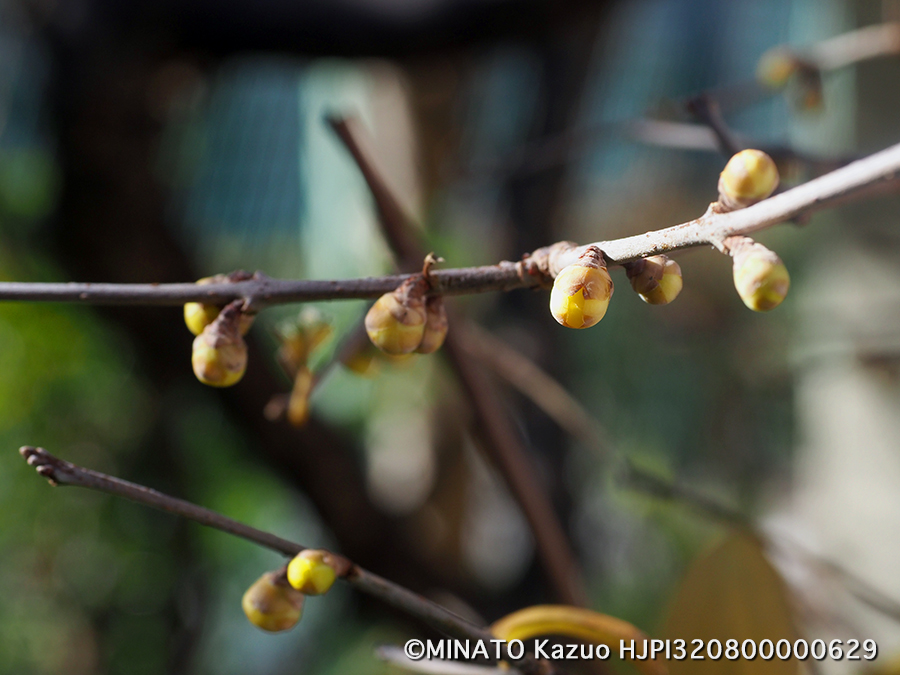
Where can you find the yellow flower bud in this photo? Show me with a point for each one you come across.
(312, 572)
(396, 322)
(761, 279)
(271, 604)
(198, 315)
(776, 67)
(219, 355)
(581, 291)
(435, 326)
(749, 177)
(656, 279)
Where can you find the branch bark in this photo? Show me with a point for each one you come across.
(61, 472)
(866, 176)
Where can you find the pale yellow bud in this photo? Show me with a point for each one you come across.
(312, 572)
(396, 322)
(219, 355)
(776, 67)
(750, 176)
(271, 604)
(761, 279)
(198, 315)
(656, 279)
(581, 292)
(436, 326)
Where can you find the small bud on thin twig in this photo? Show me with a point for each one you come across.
(749, 177)
(312, 572)
(581, 291)
(761, 279)
(219, 355)
(396, 322)
(271, 604)
(656, 279)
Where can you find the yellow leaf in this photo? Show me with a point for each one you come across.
(732, 593)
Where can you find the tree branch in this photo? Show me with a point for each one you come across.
(500, 440)
(864, 177)
(60, 472)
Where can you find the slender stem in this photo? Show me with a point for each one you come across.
(61, 472)
(559, 405)
(862, 178)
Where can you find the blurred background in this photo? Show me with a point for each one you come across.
(167, 141)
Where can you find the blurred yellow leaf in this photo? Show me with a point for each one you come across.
(732, 593)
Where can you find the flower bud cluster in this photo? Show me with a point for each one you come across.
(275, 601)
(219, 353)
(405, 321)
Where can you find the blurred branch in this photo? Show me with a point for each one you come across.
(706, 109)
(854, 46)
(501, 441)
(871, 175)
(60, 472)
(564, 409)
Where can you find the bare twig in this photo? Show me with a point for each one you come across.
(706, 110)
(60, 472)
(866, 176)
(501, 441)
(854, 46)
(564, 409)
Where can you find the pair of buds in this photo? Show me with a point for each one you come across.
(219, 353)
(582, 291)
(275, 601)
(406, 321)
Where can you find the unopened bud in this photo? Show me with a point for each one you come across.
(198, 315)
(761, 279)
(396, 322)
(749, 177)
(219, 355)
(581, 291)
(656, 279)
(776, 67)
(271, 604)
(312, 572)
(435, 325)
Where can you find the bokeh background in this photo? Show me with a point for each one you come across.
(164, 141)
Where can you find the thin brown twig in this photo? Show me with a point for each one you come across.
(500, 439)
(864, 177)
(60, 472)
(563, 408)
